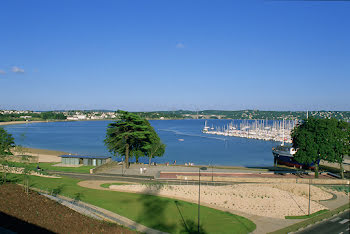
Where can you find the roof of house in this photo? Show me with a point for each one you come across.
(84, 156)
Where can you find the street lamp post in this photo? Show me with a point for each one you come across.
(122, 168)
(309, 196)
(199, 192)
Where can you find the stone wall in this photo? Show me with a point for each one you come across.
(20, 170)
(264, 180)
(110, 164)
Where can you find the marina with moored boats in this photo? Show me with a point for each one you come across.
(264, 130)
(277, 130)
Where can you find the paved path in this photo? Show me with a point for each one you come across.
(341, 199)
(74, 206)
(176, 171)
(154, 170)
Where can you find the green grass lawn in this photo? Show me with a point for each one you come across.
(109, 184)
(50, 167)
(160, 213)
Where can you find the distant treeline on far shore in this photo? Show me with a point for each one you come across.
(49, 115)
(6, 115)
(243, 114)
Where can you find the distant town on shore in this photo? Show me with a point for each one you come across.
(27, 115)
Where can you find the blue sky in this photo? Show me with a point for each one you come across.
(169, 55)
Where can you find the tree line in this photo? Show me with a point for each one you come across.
(35, 116)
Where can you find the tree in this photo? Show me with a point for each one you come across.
(310, 140)
(342, 145)
(155, 146)
(157, 149)
(136, 154)
(6, 142)
(128, 134)
(320, 139)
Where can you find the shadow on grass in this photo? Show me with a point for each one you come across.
(182, 218)
(10, 178)
(77, 197)
(188, 226)
(58, 190)
(192, 228)
(154, 209)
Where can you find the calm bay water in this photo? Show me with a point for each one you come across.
(86, 137)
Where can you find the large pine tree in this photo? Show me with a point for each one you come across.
(131, 135)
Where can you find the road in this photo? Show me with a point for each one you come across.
(335, 225)
(132, 178)
(85, 176)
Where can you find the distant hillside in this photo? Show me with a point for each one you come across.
(13, 115)
(242, 114)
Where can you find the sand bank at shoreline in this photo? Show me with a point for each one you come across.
(22, 122)
(50, 121)
(44, 155)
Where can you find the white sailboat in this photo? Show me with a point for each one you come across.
(206, 127)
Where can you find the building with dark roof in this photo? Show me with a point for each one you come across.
(84, 160)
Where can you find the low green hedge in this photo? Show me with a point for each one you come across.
(306, 216)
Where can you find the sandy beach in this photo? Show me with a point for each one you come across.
(269, 200)
(43, 154)
(22, 122)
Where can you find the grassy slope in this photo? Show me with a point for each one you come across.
(157, 212)
(82, 169)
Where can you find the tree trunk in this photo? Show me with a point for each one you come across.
(149, 161)
(316, 169)
(127, 155)
(341, 170)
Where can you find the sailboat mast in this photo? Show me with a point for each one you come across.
(283, 133)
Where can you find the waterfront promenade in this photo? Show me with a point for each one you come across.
(181, 172)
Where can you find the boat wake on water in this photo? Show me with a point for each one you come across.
(193, 135)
